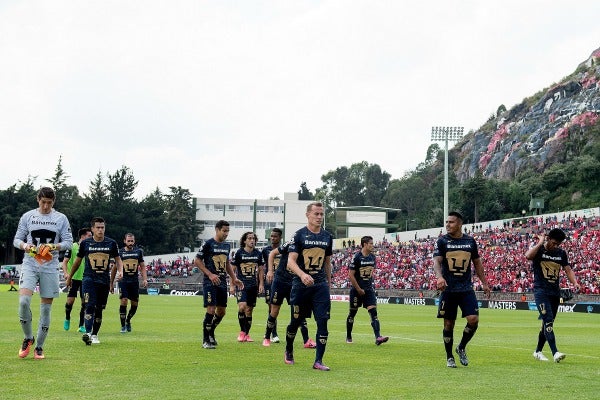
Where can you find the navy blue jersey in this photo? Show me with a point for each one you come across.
(282, 272)
(312, 249)
(247, 265)
(363, 267)
(546, 270)
(95, 256)
(457, 255)
(215, 255)
(131, 260)
(265, 255)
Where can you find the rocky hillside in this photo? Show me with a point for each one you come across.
(546, 128)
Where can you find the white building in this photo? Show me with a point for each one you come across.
(245, 215)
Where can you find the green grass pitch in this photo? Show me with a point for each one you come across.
(162, 358)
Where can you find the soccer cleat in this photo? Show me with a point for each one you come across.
(558, 356)
(381, 339)
(26, 347)
(310, 344)
(128, 326)
(38, 353)
(538, 355)
(95, 339)
(81, 329)
(266, 342)
(241, 337)
(288, 357)
(123, 329)
(67, 324)
(320, 366)
(212, 340)
(451, 363)
(247, 338)
(208, 345)
(462, 356)
(275, 339)
(348, 340)
(86, 339)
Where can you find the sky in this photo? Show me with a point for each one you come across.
(248, 99)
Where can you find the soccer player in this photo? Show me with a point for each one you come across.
(310, 261)
(41, 234)
(452, 259)
(547, 258)
(281, 289)
(129, 287)
(75, 288)
(97, 252)
(275, 241)
(247, 260)
(213, 261)
(362, 293)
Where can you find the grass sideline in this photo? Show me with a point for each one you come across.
(162, 357)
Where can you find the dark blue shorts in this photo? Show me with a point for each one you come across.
(95, 294)
(129, 290)
(369, 299)
(311, 299)
(280, 290)
(75, 289)
(450, 301)
(547, 306)
(214, 295)
(247, 295)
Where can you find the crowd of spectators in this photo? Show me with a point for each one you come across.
(180, 267)
(409, 265)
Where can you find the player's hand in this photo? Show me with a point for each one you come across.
(486, 290)
(68, 281)
(541, 238)
(145, 283)
(307, 280)
(239, 284)
(270, 276)
(214, 278)
(112, 288)
(441, 283)
(45, 248)
(361, 292)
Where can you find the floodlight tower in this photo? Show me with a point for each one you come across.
(446, 134)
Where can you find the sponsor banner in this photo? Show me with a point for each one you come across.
(182, 292)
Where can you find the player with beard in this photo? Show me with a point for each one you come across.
(129, 287)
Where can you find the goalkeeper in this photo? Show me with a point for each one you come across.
(41, 234)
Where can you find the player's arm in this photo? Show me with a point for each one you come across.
(232, 276)
(327, 266)
(65, 264)
(119, 272)
(353, 281)
(531, 253)
(481, 275)
(571, 277)
(271, 264)
(74, 269)
(142, 266)
(437, 268)
(292, 264)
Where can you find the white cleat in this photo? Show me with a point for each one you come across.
(95, 339)
(538, 355)
(558, 357)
